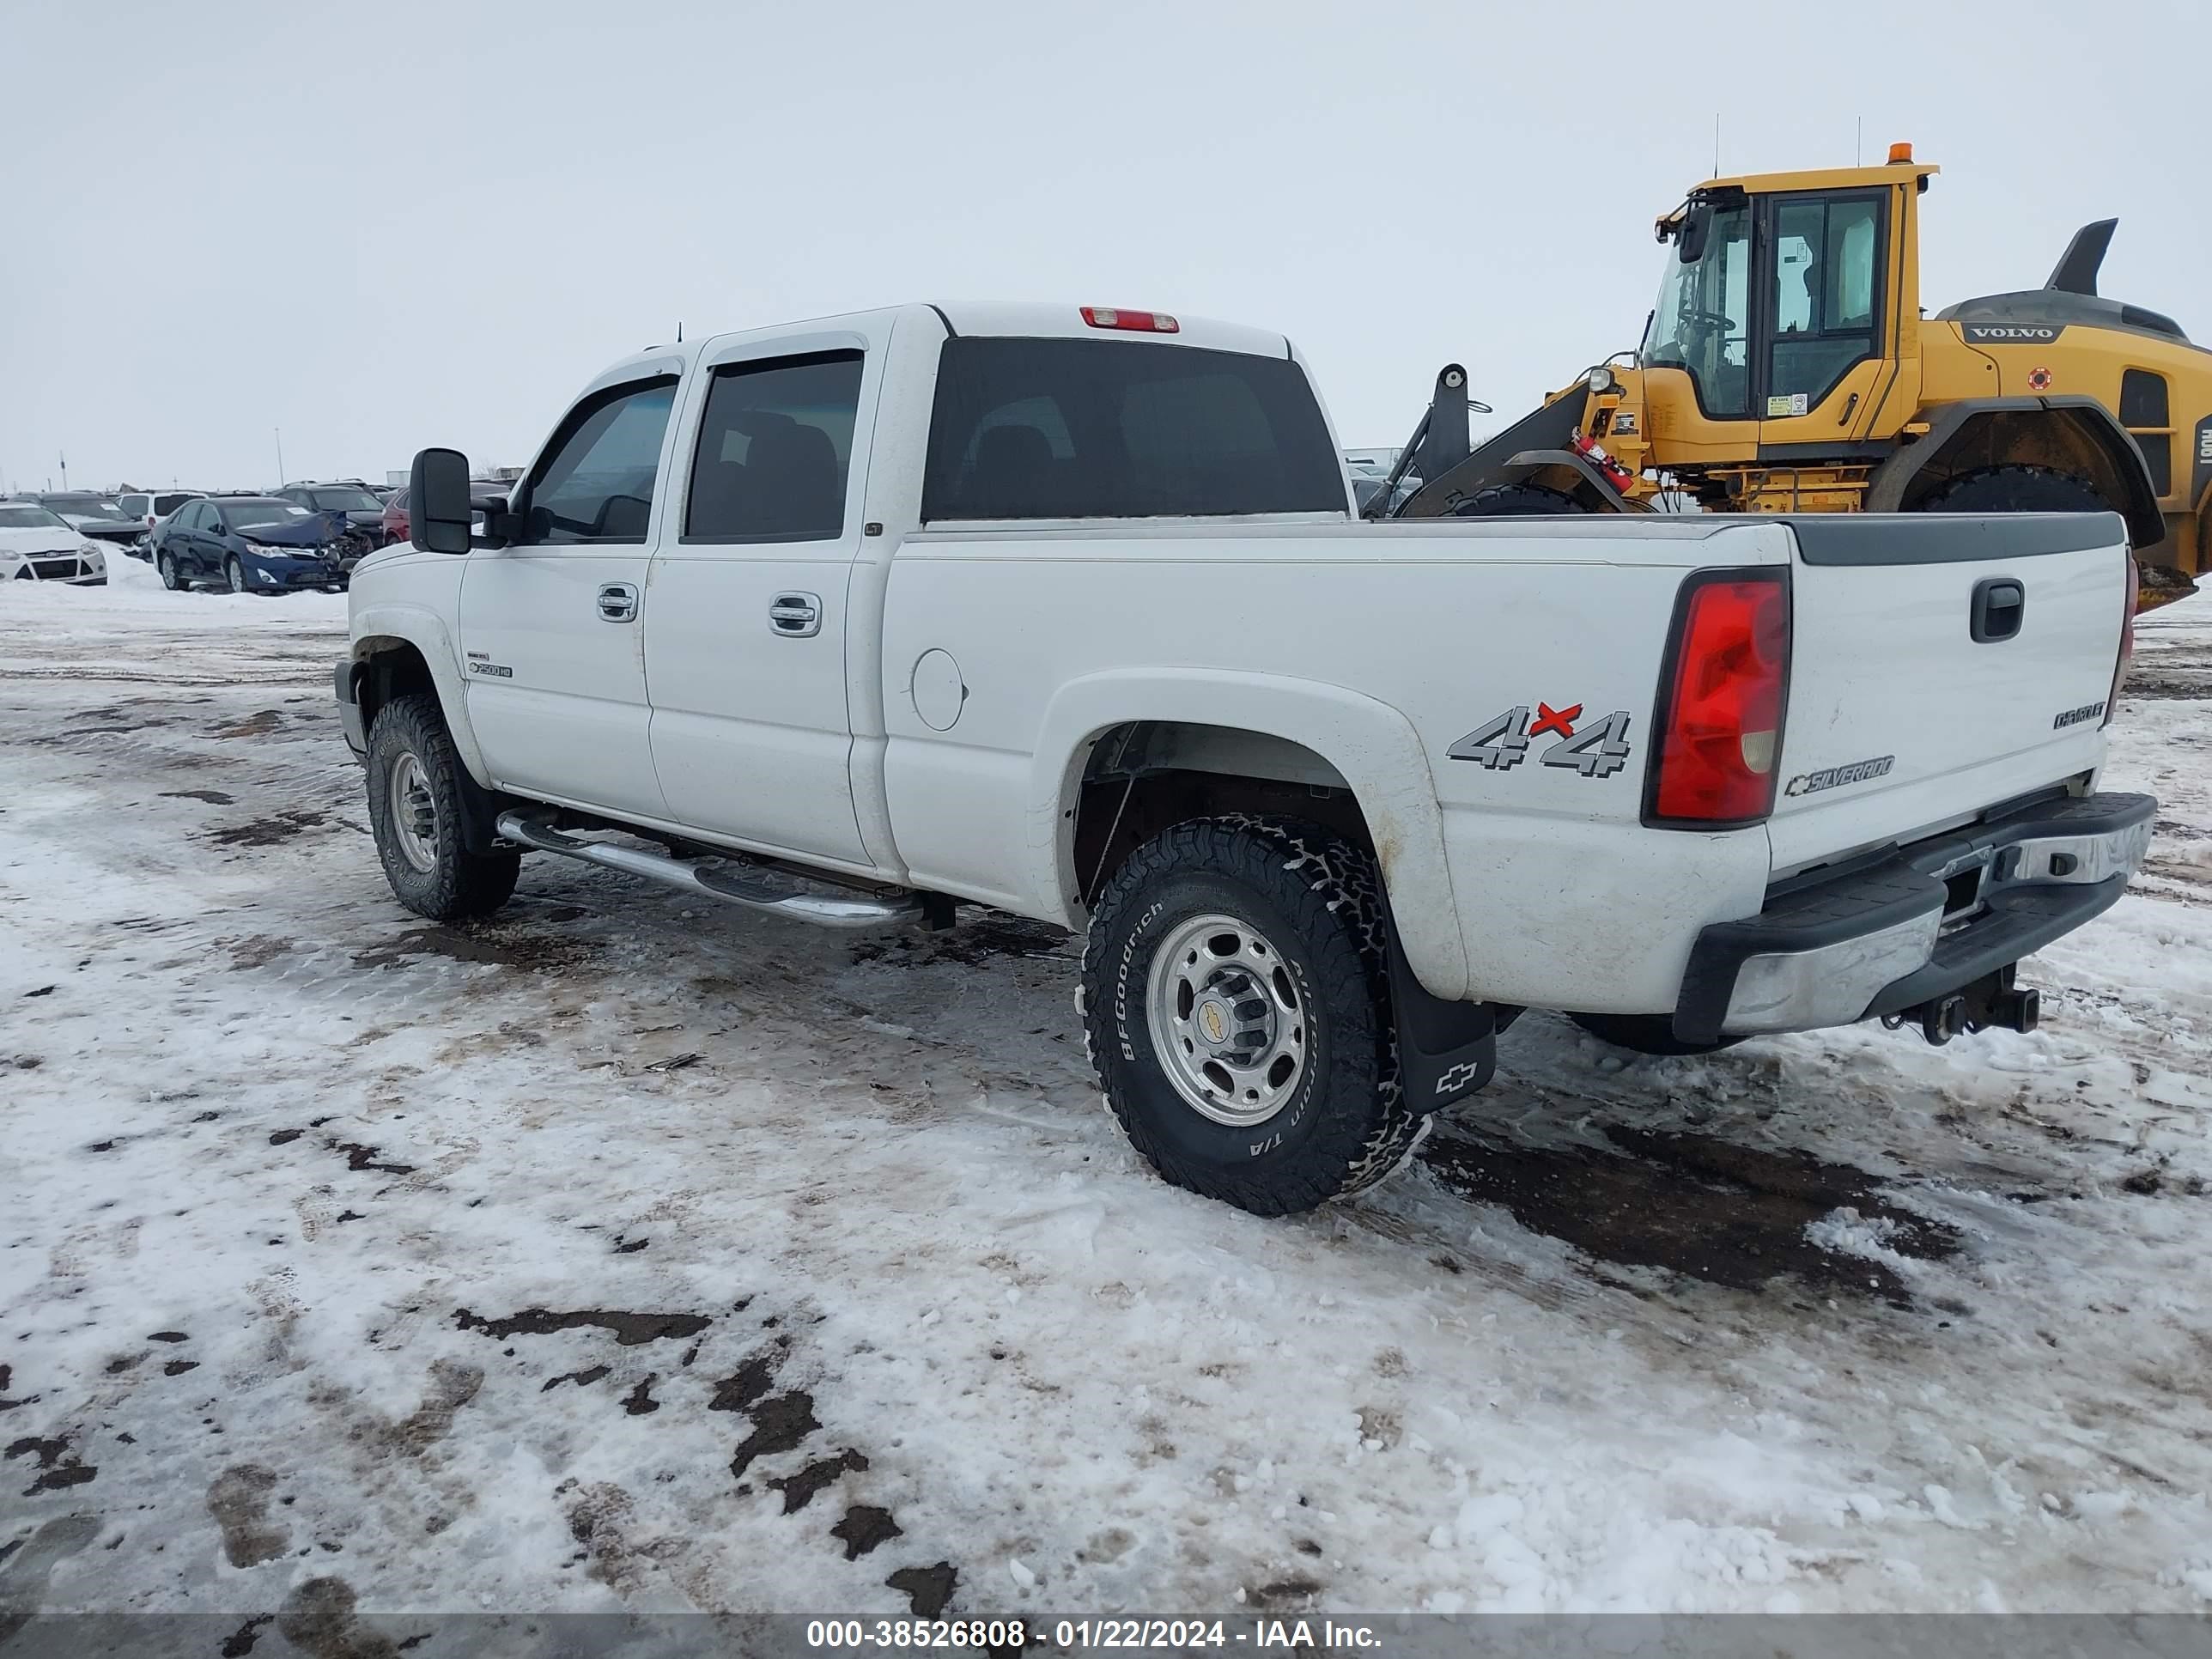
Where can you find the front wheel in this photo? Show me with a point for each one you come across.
(414, 782)
(1237, 1007)
(167, 567)
(236, 573)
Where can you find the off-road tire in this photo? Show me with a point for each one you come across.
(2015, 488)
(1646, 1034)
(459, 883)
(172, 578)
(1315, 897)
(1515, 501)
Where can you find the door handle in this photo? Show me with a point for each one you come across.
(617, 602)
(795, 616)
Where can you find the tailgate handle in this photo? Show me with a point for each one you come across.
(2000, 602)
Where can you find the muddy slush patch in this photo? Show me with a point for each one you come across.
(971, 943)
(629, 1329)
(238, 1501)
(212, 796)
(270, 831)
(1727, 1214)
(480, 945)
(2185, 675)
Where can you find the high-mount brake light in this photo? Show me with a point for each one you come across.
(2127, 640)
(1135, 322)
(1720, 701)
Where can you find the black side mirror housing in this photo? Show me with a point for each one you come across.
(1690, 243)
(438, 502)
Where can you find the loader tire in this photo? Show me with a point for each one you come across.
(1515, 501)
(2015, 489)
(415, 812)
(1237, 1007)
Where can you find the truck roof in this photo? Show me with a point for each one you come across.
(1029, 319)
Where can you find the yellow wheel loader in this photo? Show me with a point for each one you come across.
(1788, 367)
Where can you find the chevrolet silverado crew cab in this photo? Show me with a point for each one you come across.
(1068, 611)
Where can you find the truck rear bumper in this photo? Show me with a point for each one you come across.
(1916, 925)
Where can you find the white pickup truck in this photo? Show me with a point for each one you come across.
(1067, 610)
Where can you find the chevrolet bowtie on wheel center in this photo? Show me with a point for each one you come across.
(1068, 611)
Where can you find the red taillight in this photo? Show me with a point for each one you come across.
(2127, 640)
(1720, 709)
(1141, 322)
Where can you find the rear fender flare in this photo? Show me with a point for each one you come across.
(1371, 745)
(2082, 420)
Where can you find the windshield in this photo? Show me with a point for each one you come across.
(1702, 322)
(344, 500)
(250, 515)
(14, 515)
(88, 507)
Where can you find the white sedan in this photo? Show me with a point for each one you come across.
(36, 545)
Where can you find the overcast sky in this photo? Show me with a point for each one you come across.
(385, 226)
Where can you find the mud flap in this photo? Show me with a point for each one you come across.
(1446, 1050)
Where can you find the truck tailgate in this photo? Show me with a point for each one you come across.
(1940, 664)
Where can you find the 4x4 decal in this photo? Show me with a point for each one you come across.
(1598, 751)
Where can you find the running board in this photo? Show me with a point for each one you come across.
(754, 891)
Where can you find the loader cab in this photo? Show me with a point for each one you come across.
(1780, 302)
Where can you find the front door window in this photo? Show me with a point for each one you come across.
(1703, 321)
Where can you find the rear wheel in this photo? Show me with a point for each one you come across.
(1237, 1007)
(414, 781)
(1515, 501)
(2015, 489)
(1646, 1034)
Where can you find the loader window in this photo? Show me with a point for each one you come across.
(1703, 321)
(1826, 264)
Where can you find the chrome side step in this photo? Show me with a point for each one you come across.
(755, 891)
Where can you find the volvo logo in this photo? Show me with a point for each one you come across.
(2019, 333)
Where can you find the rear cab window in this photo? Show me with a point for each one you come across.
(1057, 428)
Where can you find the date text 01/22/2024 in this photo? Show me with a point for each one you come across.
(1085, 1634)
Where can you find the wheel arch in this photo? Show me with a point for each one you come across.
(1188, 742)
(2071, 435)
(401, 649)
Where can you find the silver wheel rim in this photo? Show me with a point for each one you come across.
(237, 577)
(414, 814)
(168, 572)
(1230, 1030)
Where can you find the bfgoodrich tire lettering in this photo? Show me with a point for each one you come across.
(1314, 897)
(431, 872)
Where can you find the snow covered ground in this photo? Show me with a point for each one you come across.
(622, 1254)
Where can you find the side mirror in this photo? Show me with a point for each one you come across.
(1690, 245)
(438, 502)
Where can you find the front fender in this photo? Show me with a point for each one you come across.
(424, 628)
(1371, 744)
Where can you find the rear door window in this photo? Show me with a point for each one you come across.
(775, 449)
(1026, 428)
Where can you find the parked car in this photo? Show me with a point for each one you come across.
(483, 497)
(38, 545)
(1066, 612)
(363, 509)
(252, 545)
(97, 516)
(149, 507)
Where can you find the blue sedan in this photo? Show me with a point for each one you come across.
(253, 544)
